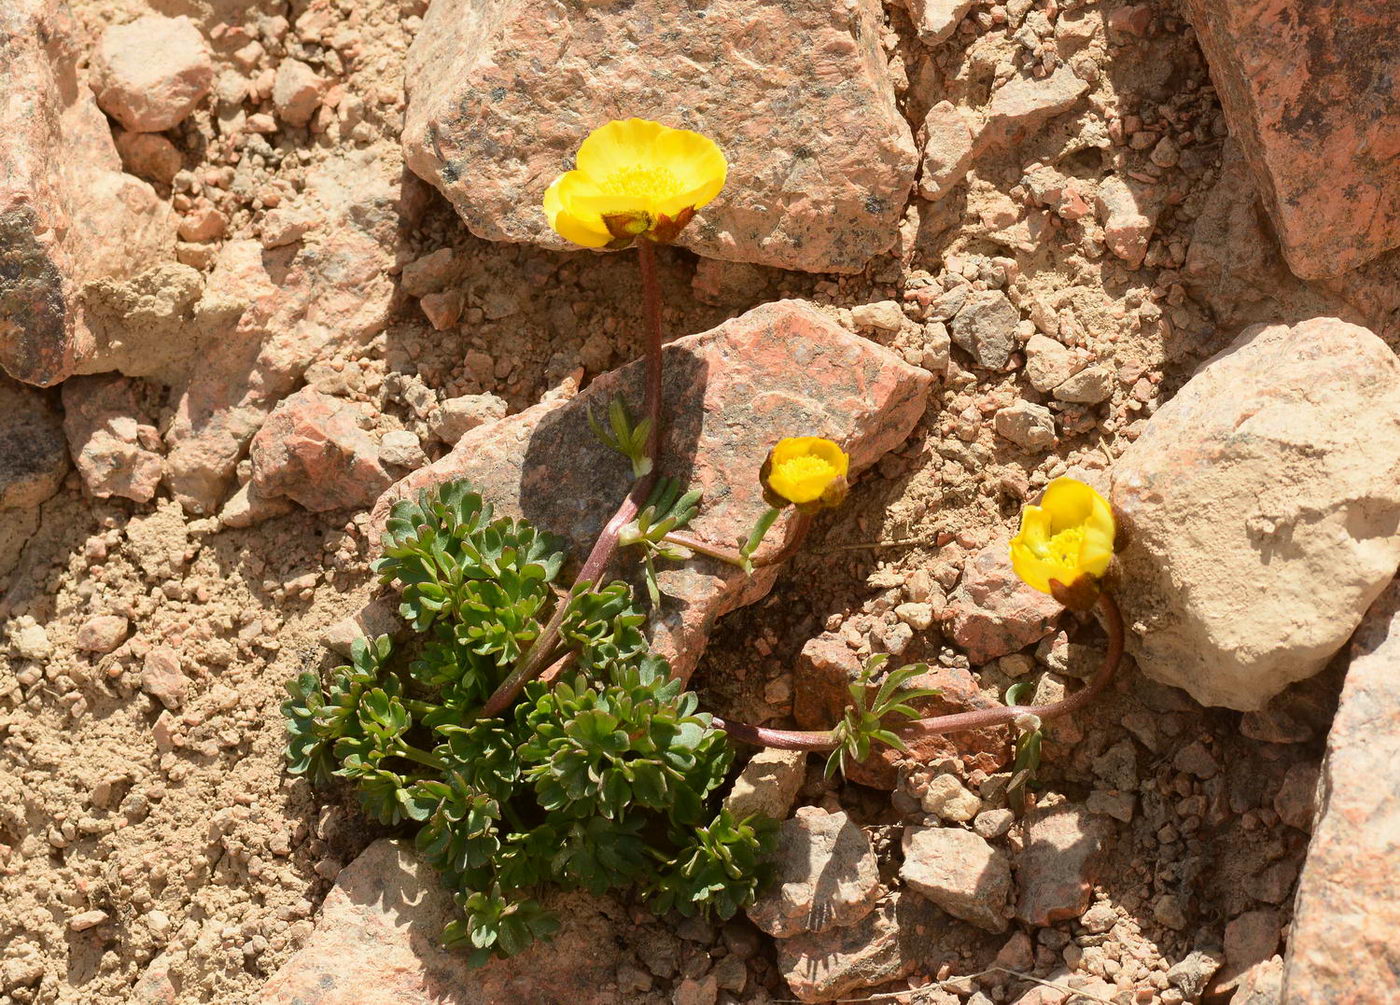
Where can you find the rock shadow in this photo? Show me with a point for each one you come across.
(571, 483)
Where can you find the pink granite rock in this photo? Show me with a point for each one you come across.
(68, 215)
(796, 95)
(1345, 941)
(781, 369)
(148, 74)
(1262, 505)
(1058, 863)
(313, 450)
(1308, 88)
(993, 613)
(376, 943)
(947, 142)
(115, 445)
(272, 312)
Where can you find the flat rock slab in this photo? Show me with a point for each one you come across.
(825, 876)
(376, 943)
(903, 934)
(1058, 863)
(68, 214)
(1345, 940)
(1308, 88)
(1262, 505)
(781, 369)
(796, 95)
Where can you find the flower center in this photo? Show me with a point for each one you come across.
(1063, 548)
(808, 468)
(640, 181)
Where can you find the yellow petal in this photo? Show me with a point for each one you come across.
(561, 209)
(1035, 572)
(617, 146)
(1069, 502)
(1035, 528)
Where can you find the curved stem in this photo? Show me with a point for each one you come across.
(786, 739)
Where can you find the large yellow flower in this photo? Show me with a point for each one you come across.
(807, 470)
(1068, 536)
(634, 178)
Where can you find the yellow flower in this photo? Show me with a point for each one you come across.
(1068, 536)
(806, 470)
(634, 178)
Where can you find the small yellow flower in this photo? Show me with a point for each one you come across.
(1068, 536)
(806, 470)
(634, 178)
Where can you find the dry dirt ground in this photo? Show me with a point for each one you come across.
(184, 828)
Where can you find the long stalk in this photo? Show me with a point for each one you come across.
(959, 722)
(534, 660)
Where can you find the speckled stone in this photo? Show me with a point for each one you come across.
(797, 95)
(1308, 89)
(1345, 941)
(68, 214)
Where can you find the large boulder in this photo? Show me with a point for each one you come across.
(68, 214)
(795, 94)
(1308, 88)
(1345, 940)
(782, 369)
(1262, 505)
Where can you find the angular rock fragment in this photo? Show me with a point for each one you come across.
(768, 784)
(960, 872)
(936, 20)
(993, 612)
(903, 933)
(68, 214)
(1308, 90)
(946, 140)
(148, 74)
(115, 445)
(1058, 863)
(986, 328)
(781, 369)
(313, 450)
(1263, 508)
(796, 95)
(825, 876)
(1024, 103)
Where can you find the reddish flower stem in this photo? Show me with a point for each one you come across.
(651, 300)
(792, 739)
(533, 662)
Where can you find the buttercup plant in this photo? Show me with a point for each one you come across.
(529, 733)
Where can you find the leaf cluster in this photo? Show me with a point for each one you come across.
(603, 780)
(863, 723)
